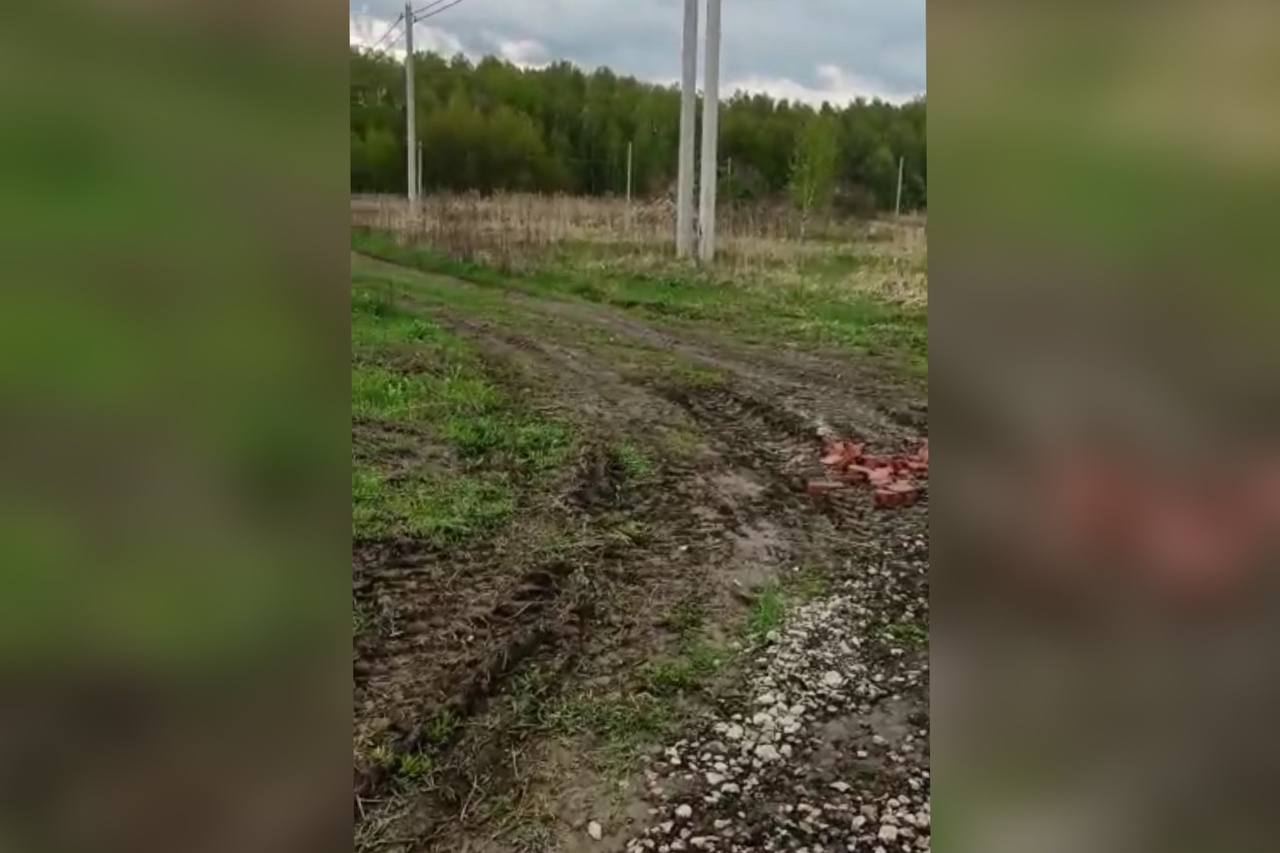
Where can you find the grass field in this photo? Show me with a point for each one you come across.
(860, 286)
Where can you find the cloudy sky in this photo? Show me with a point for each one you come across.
(814, 50)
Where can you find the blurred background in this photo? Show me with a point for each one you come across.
(174, 634)
(174, 637)
(1107, 486)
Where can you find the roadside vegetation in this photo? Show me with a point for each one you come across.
(864, 298)
(410, 377)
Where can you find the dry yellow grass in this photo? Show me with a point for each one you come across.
(759, 247)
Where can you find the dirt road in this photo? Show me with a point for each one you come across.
(671, 646)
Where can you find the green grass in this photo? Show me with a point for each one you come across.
(410, 370)
(376, 322)
(823, 314)
(408, 769)
(439, 509)
(770, 608)
(380, 393)
(623, 726)
(450, 510)
(907, 636)
(451, 392)
(414, 768)
(633, 460)
(441, 728)
(767, 613)
(531, 443)
(687, 672)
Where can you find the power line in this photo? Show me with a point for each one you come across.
(426, 8)
(420, 17)
(391, 29)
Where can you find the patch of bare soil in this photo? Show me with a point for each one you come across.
(579, 593)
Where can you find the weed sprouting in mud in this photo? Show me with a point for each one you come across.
(767, 613)
(906, 635)
(622, 726)
(688, 671)
(635, 462)
(414, 768)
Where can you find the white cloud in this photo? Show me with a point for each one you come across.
(835, 85)
(525, 53)
(867, 47)
(367, 31)
(437, 40)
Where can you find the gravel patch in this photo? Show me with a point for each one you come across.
(825, 749)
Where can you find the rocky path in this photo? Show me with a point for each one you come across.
(826, 749)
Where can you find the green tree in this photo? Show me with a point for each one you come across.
(813, 168)
(492, 126)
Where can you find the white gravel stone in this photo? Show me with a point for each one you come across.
(595, 831)
(828, 663)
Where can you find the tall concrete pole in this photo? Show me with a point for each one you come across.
(688, 128)
(630, 145)
(710, 135)
(897, 205)
(410, 105)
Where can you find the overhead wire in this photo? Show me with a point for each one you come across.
(391, 29)
(427, 8)
(432, 14)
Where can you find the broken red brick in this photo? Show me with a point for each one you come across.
(839, 454)
(881, 476)
(897, 494)
(894, 477)
(818, 488)
(856, 474)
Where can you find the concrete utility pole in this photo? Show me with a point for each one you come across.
(410, 105)
(419, 181)
(897, 205)
(710, 135)
(629, 147)
(688, 119)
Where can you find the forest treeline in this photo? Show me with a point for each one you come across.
(493, 126)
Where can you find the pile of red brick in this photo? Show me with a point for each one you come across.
(897, 479)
